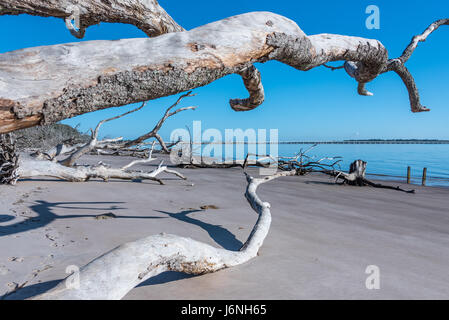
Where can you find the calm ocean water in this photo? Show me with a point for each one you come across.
(389, 161)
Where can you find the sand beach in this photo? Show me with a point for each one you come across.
(322, 238)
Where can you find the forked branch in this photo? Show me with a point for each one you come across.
(154, 132)
(94, 143)
(421, 38)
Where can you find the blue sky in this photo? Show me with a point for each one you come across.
(318, 104)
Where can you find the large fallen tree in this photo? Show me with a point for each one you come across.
(43, 85)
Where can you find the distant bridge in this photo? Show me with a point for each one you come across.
(338, 142)
(369, 142)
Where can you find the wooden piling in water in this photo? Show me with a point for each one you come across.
(424, 176)
(408, 174)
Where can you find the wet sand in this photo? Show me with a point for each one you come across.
(322, 238)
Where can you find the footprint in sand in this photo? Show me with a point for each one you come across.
(3, 270)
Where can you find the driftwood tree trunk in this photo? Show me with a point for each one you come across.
(43, 85)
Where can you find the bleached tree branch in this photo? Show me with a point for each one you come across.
(253, 83)
(141, 161)
(147, 15)
(94, 143)
(29, 168)
(65, 169)
(154, 132)
(355, 69)
(421, 38)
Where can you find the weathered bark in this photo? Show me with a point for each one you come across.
(147, 15)
(8, 160)
(154, 132)
(421, 38)
(46, 84)
(114, 274)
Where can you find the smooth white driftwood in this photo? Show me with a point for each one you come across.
(114, 274)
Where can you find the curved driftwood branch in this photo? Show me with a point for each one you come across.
(140, 161)
(147, 15)
(114, 274)
(421, 38)
(397, 65)
(253, 83)
(401, 70)
(48, 84)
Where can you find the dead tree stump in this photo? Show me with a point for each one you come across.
(358, 170)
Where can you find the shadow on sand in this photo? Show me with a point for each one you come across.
(45, 215)
(31, 290)
(220, 235)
